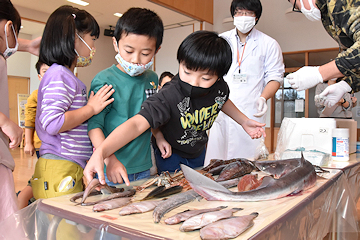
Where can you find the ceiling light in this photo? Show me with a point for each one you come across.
(118, 14)
(80, 2)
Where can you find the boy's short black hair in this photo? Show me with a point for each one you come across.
(251, 5)
(165, 74)
(58, 40)
(205, 50)
(38, 66)
(140, 21)
(9, 12)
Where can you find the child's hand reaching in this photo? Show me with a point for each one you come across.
(95, 165)
(164, 147)
(13, 131)
(101, 99)
(115, 170)
(254, 128)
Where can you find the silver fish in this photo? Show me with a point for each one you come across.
(140, 207)
(228, 228)
(111, 204)
(183, 198)
(180, 217)
(201, 220)
(301, 178)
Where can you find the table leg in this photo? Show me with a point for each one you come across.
(51, 234)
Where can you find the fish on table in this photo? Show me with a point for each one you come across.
(140, 207)
(228, 228)
(127, 193)
(183, 198)
(300, 178)
(111, 204)
(201, 220)
(180, 217)
(163, 191)
(90, 190)
(174, 202)
(235, 169)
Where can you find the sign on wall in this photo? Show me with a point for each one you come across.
(22, 100)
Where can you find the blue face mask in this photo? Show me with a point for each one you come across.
(10, 51)
(131, 68)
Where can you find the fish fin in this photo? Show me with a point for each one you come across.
(197, 179)
(222, 207)
(154, 192)
(266, 181)
(302, 159)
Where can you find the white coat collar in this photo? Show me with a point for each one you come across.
(251, 42)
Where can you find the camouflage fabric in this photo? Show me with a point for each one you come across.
(341, 19)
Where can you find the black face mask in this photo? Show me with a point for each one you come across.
(194, 91)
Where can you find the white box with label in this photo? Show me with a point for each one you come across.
(308, 133)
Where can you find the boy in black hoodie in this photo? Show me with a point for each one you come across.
(184, 109)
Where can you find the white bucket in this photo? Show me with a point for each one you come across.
(340, 144)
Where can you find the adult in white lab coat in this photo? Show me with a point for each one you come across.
(255, 75)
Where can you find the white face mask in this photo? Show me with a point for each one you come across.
(131, 68)
(313, 14)
(244, 23)
(10, 51)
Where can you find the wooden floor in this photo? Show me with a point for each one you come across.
(24, 167)
(25, 164)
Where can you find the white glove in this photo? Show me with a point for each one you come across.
(261, 107)
(334, 92)
(305, 78)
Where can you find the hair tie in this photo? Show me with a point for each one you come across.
(74, 15)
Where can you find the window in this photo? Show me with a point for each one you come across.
(286, 99)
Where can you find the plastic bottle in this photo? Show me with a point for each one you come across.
(340, 144)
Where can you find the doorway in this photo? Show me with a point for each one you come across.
(17, 85)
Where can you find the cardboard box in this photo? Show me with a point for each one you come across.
(351, 124)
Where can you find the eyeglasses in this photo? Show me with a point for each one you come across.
(295, 8)
(239, 13)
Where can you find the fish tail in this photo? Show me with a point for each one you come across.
(237, 209)
(255, 214)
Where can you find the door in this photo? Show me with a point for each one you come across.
(17, 85)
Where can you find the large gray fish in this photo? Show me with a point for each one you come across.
(300, 178)
(140, 207)
(183, 198)
(201, 220)
(228, 228)
(111, 204)
(180, 217)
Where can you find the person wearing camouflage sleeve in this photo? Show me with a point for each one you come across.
(341, 20)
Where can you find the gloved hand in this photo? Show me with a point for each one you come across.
(261, 107)
(334, 92)
(305, 78)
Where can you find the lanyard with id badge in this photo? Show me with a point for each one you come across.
(240, 77)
